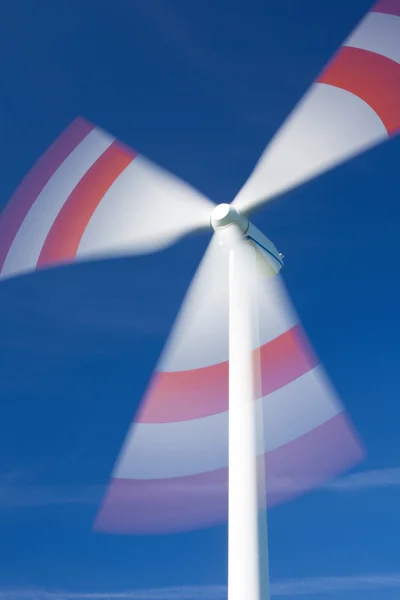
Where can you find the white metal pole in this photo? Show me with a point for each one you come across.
(248, 577)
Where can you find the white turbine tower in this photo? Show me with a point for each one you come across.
(238, 396)
(247, 544)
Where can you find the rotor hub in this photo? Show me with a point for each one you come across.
(224, 215)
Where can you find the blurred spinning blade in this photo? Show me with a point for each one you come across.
(352, 106)
(172, 473)
(89, 197)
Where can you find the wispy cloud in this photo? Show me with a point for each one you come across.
(17, 493)
(173, 593)
(335, 585)
(292, 587)
(379, 478)
(179, 30)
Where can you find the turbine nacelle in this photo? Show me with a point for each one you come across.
(224, 215)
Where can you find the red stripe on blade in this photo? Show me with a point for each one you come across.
(390, 7)
(186, 395)
(66, 233)
(372, 77)
(23, 198)
(191, 502)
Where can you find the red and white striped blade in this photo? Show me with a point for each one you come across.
(89, 196)
(172, 473)
(352, 106)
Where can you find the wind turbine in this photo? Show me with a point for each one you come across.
(237, 342)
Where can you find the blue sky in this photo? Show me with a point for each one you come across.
(199, 87)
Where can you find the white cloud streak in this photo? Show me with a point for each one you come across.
(31, 496)
(365, 480)
(173, 593)
(15, 493)
(336, 585)
(292, 587)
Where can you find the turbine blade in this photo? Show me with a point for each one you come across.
(172, 473)
(90, 197)
(352, 106)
